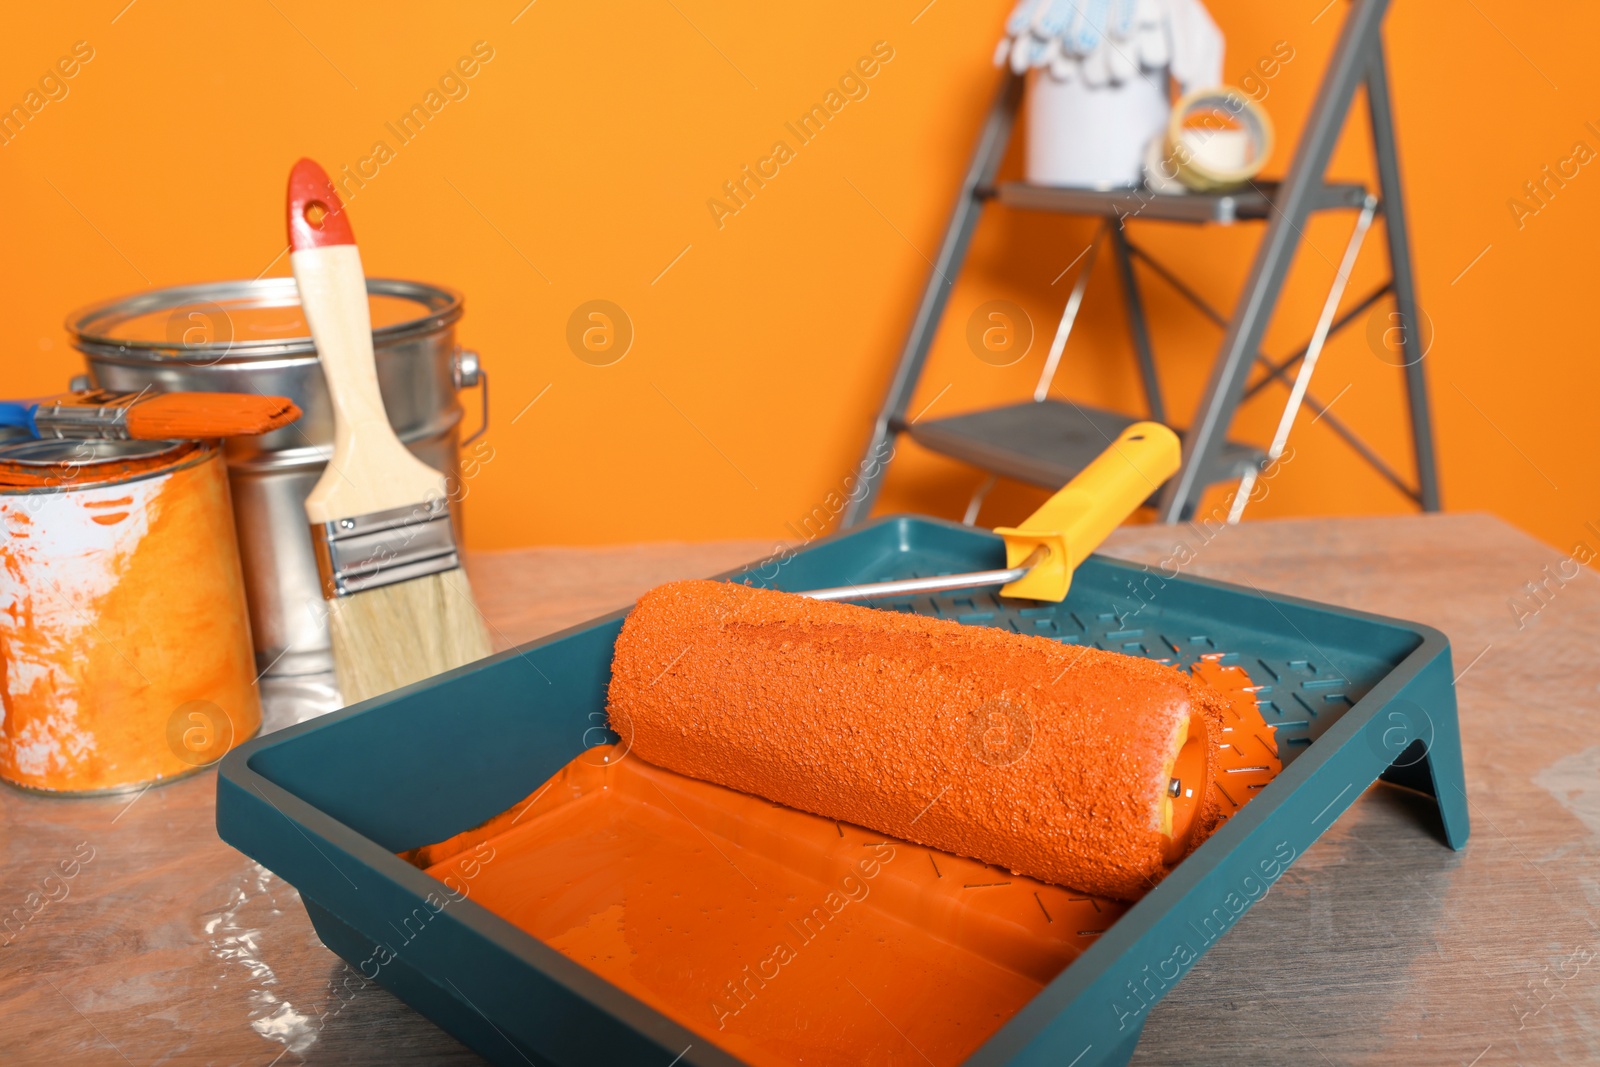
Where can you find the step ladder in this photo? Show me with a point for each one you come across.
(1047, 441)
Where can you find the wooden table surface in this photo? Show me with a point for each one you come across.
(1378, 946)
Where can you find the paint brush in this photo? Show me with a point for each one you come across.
(380, 517)
(99, 414)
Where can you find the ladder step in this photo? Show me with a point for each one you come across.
(1140, 203)
(1048, 443)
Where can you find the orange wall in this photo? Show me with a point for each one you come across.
(579, 166)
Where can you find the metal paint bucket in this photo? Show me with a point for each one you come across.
(124, 640)
(250, 336)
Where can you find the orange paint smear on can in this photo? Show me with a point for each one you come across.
(783, 937)
(125, 653)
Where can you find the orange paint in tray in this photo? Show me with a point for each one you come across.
(784, 937)
(125, 653)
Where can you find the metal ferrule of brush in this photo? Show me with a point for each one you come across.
(384, 547)
(98, 416)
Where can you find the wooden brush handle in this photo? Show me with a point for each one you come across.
(370, 470)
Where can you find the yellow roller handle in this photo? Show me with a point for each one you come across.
(1083, 513)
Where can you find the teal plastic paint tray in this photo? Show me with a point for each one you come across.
(328, 804)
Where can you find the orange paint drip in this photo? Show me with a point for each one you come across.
(784, 937)
(125, 653)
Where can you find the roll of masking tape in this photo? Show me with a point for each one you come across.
(1228, 145)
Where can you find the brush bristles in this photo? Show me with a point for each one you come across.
(173, 416)
(389, 637)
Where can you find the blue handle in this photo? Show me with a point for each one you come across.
(18, 414)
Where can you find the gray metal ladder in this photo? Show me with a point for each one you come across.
(1045, 442)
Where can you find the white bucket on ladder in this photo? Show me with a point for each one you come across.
(1093, 136)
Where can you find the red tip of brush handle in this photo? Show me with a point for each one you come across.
(317, 217)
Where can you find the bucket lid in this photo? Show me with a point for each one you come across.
(260, 319)
(59, 464)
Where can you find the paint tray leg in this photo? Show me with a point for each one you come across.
(1421, 731)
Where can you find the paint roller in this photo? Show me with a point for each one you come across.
(1077, 766)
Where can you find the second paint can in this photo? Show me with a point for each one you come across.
(124, 636)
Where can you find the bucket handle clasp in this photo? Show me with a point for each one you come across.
(466, 369)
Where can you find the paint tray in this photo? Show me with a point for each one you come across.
(326, 805)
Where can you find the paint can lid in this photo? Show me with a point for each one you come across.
(216, 322)
(57, 465)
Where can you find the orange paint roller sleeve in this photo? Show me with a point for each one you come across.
(1050, 760)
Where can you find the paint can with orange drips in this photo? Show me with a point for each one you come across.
(125, 655)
